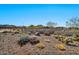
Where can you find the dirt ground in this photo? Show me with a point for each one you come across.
(9, 46)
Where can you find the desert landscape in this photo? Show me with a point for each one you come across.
(39, 29)
(55, 41)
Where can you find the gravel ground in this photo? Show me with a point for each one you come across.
(9, 46)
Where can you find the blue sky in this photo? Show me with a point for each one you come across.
(27, 14)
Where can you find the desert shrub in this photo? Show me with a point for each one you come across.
(16, 32)
(23, 41)
(47, 33)
(58, 32)
(69, 40)
(41, 32)
(13, 34)
(76, 39)
(69, 34)
(72, 44)
(29, 33)
(51, 32)
(60, 37)
(23, 33)
(6, 32)
(60, 47)
(37, 34)
(56, 36)
(75, 35)
(40, 46)
(34, 40)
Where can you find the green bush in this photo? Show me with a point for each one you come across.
(60, 37)
(6, 32)
(23, 41)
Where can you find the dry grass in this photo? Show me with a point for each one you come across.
(40, 46)
(60, 47)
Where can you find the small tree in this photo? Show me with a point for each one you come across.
(31, 26)
(73, 22)
(51, 24)
(40, 26)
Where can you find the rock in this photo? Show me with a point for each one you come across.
(33, 40)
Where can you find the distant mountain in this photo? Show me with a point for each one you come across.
(7, 25)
